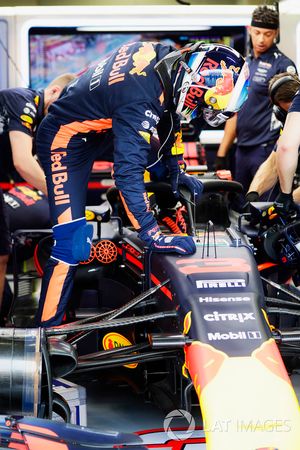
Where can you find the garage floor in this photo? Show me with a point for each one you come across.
(119, 407)
(114, 405)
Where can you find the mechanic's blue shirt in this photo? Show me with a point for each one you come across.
(256, 123)
(21, 109)
(121, 96)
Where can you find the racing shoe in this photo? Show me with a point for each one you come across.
(164, 243)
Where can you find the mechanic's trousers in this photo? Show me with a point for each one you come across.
(247, 162)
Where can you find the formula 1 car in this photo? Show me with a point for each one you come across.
(202, 319)
(30, 433)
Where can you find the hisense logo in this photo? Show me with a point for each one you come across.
(223, 299)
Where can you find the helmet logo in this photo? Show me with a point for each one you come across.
(225, 84)
(193, 94)
(210, 64)
(218, 96)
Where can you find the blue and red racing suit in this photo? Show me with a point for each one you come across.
(109, 113)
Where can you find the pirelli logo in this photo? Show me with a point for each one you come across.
(221, 284)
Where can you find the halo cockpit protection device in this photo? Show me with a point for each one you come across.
(208, 79)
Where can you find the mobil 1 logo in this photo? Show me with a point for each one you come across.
(234, 336)
(231, 318)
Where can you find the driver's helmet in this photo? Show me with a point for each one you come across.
(211, 79)
(284, 245)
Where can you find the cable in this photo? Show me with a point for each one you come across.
(162, 145)
(12, 62)
(276, 6)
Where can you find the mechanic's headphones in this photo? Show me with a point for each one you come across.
(280, 114)
(276, 85)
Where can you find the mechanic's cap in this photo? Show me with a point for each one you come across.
(211, 79)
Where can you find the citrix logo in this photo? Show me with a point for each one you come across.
(240, 317)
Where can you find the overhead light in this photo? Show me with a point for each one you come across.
(134, 29)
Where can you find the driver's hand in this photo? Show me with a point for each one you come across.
(178, 178)
(164, 243)
(192, 183)
(285, 205)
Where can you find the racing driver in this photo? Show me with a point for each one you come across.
(113, 109)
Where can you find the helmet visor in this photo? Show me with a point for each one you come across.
(240, 92)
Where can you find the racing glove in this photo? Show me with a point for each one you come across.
(250, 197)
(285, 206)
(163, 243)
(220, 163)
(178, 178)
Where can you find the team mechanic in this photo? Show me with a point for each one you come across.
(282, 89)
(21, 110)
(255, 126)
(141, 89)
(27, 208)
(287, 157)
